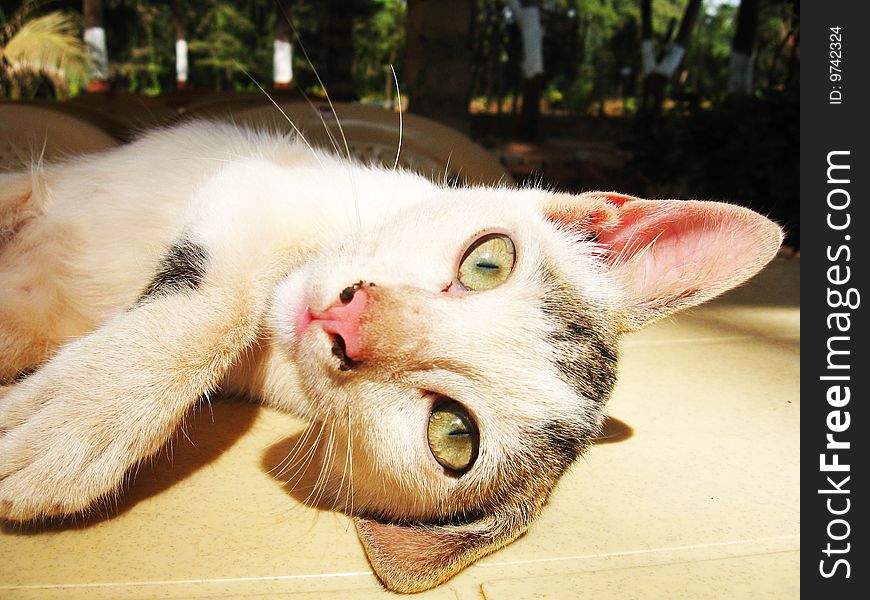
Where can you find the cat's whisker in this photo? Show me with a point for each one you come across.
(350, 462)
(343, 475)
(284, 114)
(326, 468)
(347, 470)
(331, 107)
(303, 468)
(322, 476)
(401, 118)
(290, 460)
(446, 169)
(319, 80)
(279, 469)
(311, 498)
(298, 480)
(332, 140)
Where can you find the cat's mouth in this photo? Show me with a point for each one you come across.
(339, 350)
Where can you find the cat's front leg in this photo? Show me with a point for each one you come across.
(70, 432)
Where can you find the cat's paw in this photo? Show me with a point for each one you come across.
(59, 449)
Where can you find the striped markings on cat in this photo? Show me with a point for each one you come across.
(183, 267)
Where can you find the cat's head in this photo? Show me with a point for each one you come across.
(461, 353)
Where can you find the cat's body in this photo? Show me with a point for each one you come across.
(371, 300)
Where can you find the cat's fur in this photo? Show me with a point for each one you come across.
(138, 280)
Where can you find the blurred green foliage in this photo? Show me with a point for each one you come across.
(704, 143)
(40, 52)
(591, 47)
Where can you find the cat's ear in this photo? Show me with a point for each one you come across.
(669, 254)
(416, 557)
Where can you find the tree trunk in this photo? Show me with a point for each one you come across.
(740, 67)
(95, 39)
(647, 44)
(674, 56)
(530, 113)
(438, 60)
(282, 51)
(688, 22)
(338, 74)
(181, 63)
(528, 17)
(656, 79)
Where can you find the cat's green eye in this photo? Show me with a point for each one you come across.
(453, 437)
(487, 262)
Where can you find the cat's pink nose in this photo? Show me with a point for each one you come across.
(342, 320)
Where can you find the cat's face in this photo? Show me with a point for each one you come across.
(526, 360)
(461, 353)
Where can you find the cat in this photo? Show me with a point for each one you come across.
(461, 341)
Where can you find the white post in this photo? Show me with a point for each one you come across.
(671, 60)
(95, 38)
(740, 73)
(181, 62)
(647, 56)
(529, 21)
(282, 63)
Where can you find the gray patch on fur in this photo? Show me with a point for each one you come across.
(564, 441)
(586, 351)
(183, 268)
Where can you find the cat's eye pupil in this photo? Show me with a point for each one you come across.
(487, 263)
(453, 437)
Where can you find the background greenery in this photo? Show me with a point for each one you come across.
(704, 143)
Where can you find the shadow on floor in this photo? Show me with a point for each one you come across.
(209, 431)
(779, 284)
(296, 462)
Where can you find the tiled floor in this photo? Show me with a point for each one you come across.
(696, 496)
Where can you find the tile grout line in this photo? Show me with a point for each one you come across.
(711, 340)
(636, 552)
(182, 581)
(369, 573)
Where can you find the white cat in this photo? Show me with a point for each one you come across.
(461, 341)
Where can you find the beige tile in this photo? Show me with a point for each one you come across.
(757, 576)
(702, 497)
(713, 458)
(769, 306)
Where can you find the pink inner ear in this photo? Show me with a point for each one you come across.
(414, 558)
(668, 254)
(687, 251)
(653, 228)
